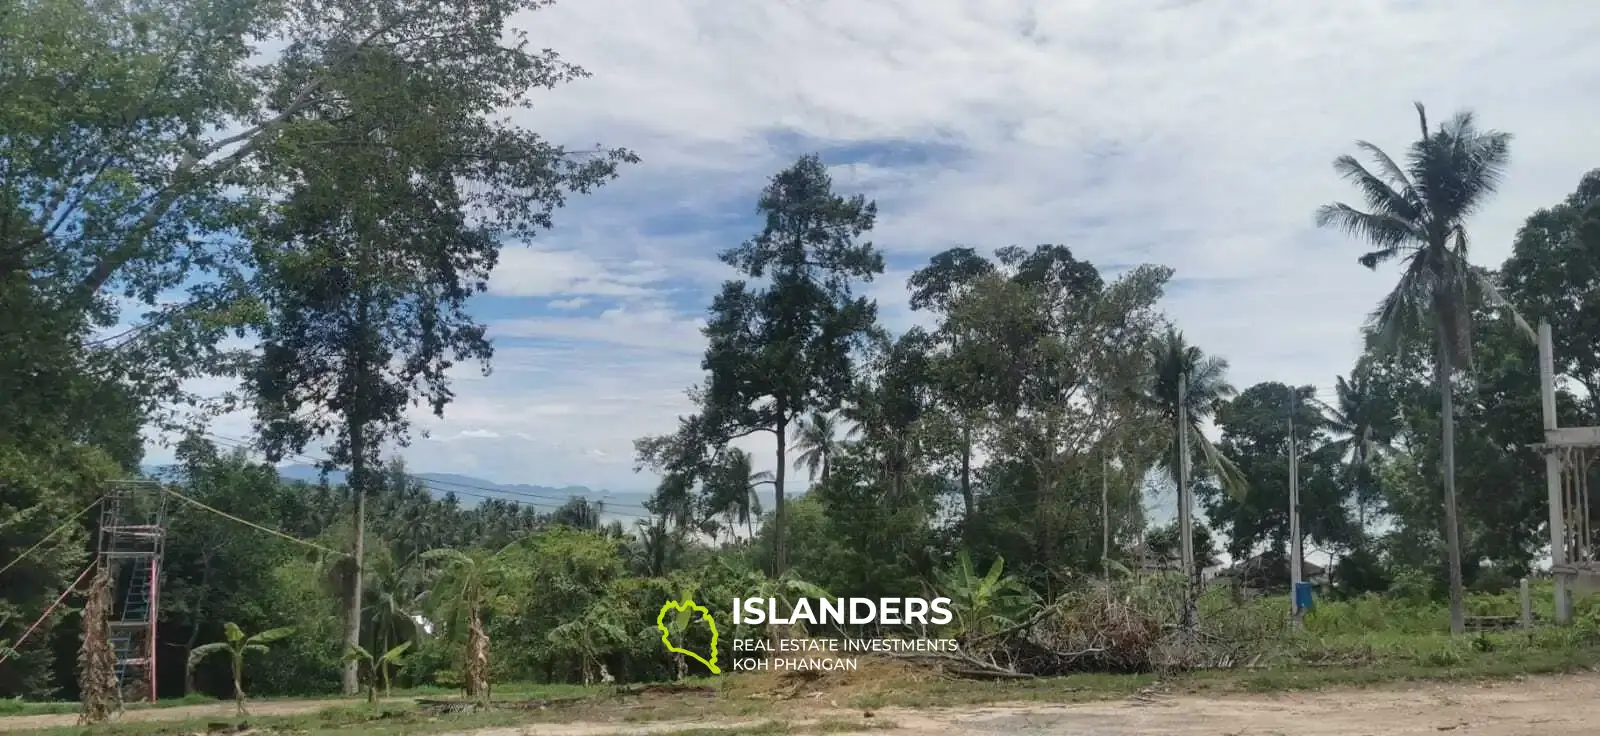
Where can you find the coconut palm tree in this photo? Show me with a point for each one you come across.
(393, 601)
(817, 438)
(1205, 390)
(1366, 422)
(1180, 374)
(1416, 214)
(731, 489)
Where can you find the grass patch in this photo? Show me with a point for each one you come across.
(19, 707)
(342, 719)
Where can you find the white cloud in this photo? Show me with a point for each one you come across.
(1194, 134)
(527, 272)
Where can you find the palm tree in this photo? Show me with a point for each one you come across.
(394, 596)
(1366, 421)
(817, 438)
(1172, 360)
(1417, 214)
(1181, 374)
(731, 490)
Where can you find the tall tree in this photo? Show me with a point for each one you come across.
(397, 188)
(784, 348)
(1255, 437)
(1553, 275)
(947, 278)
(1184, 387)
(1417, 214)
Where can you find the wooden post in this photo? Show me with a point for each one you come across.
(1527, 605)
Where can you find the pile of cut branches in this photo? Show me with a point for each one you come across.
(1112, 627)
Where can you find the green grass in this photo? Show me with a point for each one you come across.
(509, 691)
(18, 707)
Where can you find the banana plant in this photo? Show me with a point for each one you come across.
(784, 589)
(984, 603)
(377, 668)
(468, 587)
(236, 644)
(602, 628)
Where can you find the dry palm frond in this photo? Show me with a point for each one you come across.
(97, 663)
(477, 664)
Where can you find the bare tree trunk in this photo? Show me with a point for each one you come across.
(1105, 516)
(195, 619)
(967, 501)
(780, 549)
(1447, 462)
(351, 679)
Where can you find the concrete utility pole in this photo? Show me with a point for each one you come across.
(1552, 460)
(1295, 553)
(1185, 513)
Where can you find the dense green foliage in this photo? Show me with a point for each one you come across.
(1001, 457)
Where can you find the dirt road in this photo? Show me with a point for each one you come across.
(1545, 706)
(1535, 706)
(1542, 706)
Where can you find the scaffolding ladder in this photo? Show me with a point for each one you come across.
(132, 540)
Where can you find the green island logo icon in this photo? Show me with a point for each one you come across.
(684, 608)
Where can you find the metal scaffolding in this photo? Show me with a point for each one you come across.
(1570, 453)
(133, 521)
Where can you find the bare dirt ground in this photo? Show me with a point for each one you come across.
(1542, 706)
(1547, 706)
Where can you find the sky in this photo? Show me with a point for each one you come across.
(1194, 134)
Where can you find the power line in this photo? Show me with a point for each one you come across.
(253, 525)
(70, 520)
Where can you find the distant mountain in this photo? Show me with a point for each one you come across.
(442, 482)
(472, 490)
(624, 506)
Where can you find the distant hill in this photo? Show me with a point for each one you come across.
(472, 490)
(624, 506)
